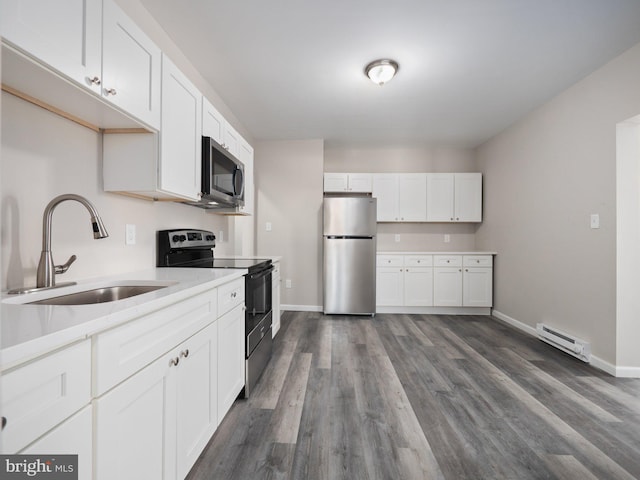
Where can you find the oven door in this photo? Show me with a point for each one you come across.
(258, 292)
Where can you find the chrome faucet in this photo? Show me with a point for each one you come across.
(46, 276)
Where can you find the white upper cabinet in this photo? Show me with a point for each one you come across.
(348, 182)
(385, 190)
(180, 134)
(246, 157)
(65, 34)
(130, 66)
(215, 126)
(454, 197)
(167, 165)
(401, 197)
(94, 44)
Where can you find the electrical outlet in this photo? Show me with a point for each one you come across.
(447, 238)
(130, 234)
(287, 283)
(268, 226)
(595, 220)
(397, 238)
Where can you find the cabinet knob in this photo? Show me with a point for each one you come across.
(174, 362)
(233, 294)
(448, 261)
(466, 269)
(418, 261)
(95, 80)
(457, 218)
(451, 218)
(110, 91)
(184, 353)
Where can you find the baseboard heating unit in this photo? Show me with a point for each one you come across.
(565, 342)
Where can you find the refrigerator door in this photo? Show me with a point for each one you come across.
(350, 276)
(350, 216)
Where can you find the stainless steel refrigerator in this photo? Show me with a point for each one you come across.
(349, 255)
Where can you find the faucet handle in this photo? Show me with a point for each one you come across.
(65, 267)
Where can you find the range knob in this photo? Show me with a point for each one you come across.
(183, 238)
(175, 238)
(211, 238)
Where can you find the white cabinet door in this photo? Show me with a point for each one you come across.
(454, 197)
(418, 286)
(231, 140)
(335, 182)
(477, 287)
(468, 197)
(246, 157)
(135, 425)
(181, 134)
(39, 395)
(359, 182)
(64, 34)
(231, 344)
(275, 299)
(447, 286)
(412, 197)
(385, 189)
(389, 286)
(440, 197)
(72, 437)
(130, 66)
(197, 396)
(212, 122)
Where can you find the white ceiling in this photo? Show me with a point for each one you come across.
(293, 69)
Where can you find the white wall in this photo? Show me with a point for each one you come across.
(406, 159)
(628, 247)
(289, 196)
(43, 155)
(544, 176)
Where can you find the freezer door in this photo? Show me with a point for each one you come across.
(350, 216)
(350, 276)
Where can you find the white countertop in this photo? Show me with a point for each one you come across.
(28, 331)
(436, 253)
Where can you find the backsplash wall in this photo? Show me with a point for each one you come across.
(44, 155)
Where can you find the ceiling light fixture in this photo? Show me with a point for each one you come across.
(381, 71)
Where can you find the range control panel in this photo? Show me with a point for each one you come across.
(189, 238)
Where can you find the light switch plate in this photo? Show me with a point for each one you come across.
(447, 238)
(595, 220)
(130, 234)
(268, 226)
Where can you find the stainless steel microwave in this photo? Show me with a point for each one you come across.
(222, 176)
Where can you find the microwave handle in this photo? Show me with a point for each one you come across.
(238, 171)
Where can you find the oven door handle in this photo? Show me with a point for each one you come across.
(262, 273)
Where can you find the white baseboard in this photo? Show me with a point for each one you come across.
(435, 310)
(301, 308)
(596, 362)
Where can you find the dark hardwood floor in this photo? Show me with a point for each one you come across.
(425, 397)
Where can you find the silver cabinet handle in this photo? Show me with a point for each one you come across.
(174, 362)
(110, 91)
(95, 80)
(234, 294)
(184, 353)
(4, 422)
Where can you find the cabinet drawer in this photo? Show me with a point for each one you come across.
(447, 260)
(478, 261)
(40, 395)
(389, 260)
(230, 295)
(121, 352)
(418, 260)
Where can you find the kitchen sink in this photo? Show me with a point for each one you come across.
(100, 295)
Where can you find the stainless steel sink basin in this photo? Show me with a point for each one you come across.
(99, 295)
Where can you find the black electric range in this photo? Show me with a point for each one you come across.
(191, 248)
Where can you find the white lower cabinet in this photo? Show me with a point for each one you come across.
(71, 437)
(275, 299)
(404, 280)
(39, 396)
(156, 423)
(231, 345)
(423, 280)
